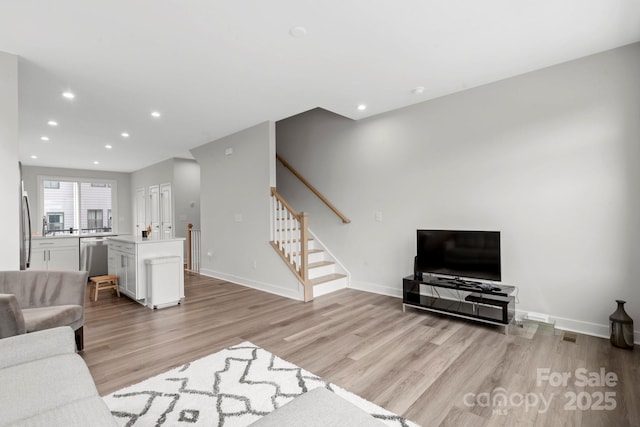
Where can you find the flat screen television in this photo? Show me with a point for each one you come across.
(458, 254)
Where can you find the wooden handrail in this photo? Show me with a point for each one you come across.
(313, 189)
(277, 195)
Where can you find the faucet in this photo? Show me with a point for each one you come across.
(44, 225)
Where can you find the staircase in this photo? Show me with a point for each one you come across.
(316, 268)
(325, 273)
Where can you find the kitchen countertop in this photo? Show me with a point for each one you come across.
(130, 238)
(61, 236)
(74, 236)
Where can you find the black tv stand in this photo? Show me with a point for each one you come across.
(454, 280)
(495, 306)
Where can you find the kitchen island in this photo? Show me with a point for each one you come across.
(132, 258)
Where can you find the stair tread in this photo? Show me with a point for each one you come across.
(320, 264)
(327, 278)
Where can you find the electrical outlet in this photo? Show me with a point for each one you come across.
(378, 216)
(255, 264)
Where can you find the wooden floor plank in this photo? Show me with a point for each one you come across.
(418, 364)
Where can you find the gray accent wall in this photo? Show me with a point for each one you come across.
(236, 174)
(549, 159)
(10, 182)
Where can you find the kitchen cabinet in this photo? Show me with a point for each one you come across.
(55, 253)
(122, 263)
(127, 255)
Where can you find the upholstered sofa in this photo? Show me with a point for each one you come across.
(35, 300)
(46, 383)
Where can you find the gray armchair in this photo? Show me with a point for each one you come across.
(35, 300)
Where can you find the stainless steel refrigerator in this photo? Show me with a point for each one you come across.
(25, 226)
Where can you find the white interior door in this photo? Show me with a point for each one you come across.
(154, 211)
(141, 211)
(166, 217)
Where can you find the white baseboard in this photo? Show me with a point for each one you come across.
(297, 294)
(376, 288)
(564, 324)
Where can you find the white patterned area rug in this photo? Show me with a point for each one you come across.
(233, 387)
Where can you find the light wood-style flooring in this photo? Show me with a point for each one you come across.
(434, 370)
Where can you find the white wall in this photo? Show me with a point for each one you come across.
(549, 158)
(186, 195)
(122, 222)
(10, 182)
(156, 174)
(235, 211)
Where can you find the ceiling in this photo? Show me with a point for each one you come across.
(214, 67)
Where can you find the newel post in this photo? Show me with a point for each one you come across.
(304, 256)
(188, 265)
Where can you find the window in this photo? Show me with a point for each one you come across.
(94, 220)
(55, 221)
(83, 205)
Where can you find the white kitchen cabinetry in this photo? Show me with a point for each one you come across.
(122, 262)
(55, 253)
(127, 255)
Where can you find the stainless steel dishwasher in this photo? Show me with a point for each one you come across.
(94, 255)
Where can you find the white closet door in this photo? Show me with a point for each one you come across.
(166, 217)
(141, 211)
(154, 211)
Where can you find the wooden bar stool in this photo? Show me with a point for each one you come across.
(109, 281)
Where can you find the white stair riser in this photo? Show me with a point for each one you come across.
(322, 271)
(328, 287)
(317, 257)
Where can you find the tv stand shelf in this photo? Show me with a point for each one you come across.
(494, 306)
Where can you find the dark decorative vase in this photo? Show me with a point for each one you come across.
(621, 327)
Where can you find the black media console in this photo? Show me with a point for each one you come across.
(473, 300)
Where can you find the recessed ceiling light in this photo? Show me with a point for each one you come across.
(155, 114)
(108, 147)
(52, 123)
(124, 134)
(96, 162)
(68, 95)
(418, 90)
(44, 138)
(362, 107)
(298, 32)
(34, 157)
